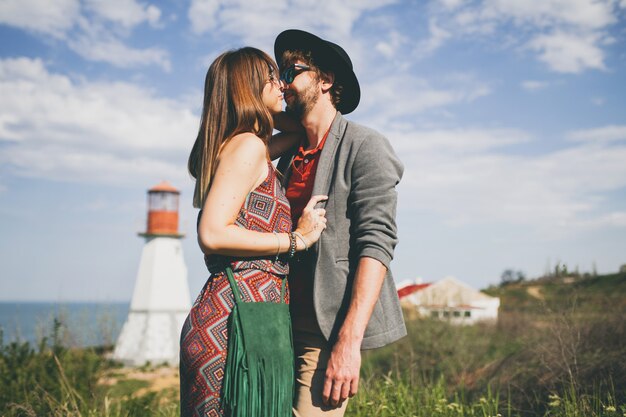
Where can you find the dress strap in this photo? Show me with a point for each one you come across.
(233, 285)
(283, 289)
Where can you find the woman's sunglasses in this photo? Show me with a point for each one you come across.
(292, 71)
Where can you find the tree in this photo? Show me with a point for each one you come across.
(510, 276)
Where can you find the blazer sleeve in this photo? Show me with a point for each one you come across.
(373, 198)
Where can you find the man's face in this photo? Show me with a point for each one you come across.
(302, 92)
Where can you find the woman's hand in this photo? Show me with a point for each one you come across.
(312, 223)
(284, 122)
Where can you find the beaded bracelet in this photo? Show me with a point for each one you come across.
(292, 244)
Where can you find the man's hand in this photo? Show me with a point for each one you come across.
(342, 373)
(344, 364)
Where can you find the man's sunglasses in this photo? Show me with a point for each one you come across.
(292, 71)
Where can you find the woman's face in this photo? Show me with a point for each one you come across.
(273, 94)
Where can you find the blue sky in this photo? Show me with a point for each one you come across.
(509, 115)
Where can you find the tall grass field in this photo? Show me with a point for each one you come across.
(557, 350)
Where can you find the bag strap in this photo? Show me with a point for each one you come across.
(235, 289)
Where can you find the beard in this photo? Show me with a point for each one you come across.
(302, 103)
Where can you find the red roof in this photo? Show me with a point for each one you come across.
(410, 289)
(164, 186)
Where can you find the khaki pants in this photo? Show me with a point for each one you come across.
(311, 355)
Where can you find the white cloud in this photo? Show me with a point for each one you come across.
(473, 21)
(128, 13)
(98, 42)
(612, 133)
(588, 14)
(534, 85)
(550, 193)
(386, 100)
(96, 32)
(49, 17)
(73, 128)
(389, 47)
(438, 36)
(568, 35)
(451, 4)
(459, 141)
(610, 220)
(263, 20)
(110, 49)
(83, 165)
(202, 14)
(569, 53)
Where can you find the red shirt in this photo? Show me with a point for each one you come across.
(299, 190)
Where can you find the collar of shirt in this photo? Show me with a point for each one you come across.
(303, 152)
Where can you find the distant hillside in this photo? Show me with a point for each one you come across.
(584, 293)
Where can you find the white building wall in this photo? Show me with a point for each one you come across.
(158, 308)
(449, 295)
(162, 277)
(150, 337)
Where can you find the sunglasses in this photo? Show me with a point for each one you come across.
(292, 71)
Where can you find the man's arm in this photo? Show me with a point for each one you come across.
(375, 173)
(344, 364)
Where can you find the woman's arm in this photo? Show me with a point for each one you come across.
(286, 123)
(241, 168)
(291, 134)
(282, 142)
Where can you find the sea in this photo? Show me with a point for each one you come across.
(77, 324)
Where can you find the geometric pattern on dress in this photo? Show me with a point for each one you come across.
(204, 337)
(213, 373)
(260, 207)
(211, 406)
(214, 307)
(194, 347)
(283, 221)
(218, 333)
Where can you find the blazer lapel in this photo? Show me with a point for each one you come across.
(323, 174)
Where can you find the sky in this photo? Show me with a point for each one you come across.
(509, 116)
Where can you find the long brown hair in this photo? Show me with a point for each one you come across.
(233, 104)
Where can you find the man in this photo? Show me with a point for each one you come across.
(343, 297)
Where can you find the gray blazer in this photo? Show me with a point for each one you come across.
(358, 170)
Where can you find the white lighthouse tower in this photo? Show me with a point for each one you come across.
(160, 300)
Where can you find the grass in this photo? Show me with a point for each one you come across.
(560, 356)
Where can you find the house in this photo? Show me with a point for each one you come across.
(448, 299)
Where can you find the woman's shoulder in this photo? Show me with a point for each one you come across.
(247, 146)
(244, 147)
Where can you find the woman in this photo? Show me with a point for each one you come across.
(245, 219)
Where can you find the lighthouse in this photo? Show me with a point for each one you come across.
(160, 300)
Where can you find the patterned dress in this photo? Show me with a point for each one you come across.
(203, 340)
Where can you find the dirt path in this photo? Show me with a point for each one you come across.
(159, 379)
(535, 291)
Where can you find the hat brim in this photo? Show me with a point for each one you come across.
(327, 58)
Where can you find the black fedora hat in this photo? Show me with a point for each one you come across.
(327, 56)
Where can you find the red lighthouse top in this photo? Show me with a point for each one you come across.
(164, 187)
(163, 211)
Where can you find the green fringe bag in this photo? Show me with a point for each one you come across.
(259, 372)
